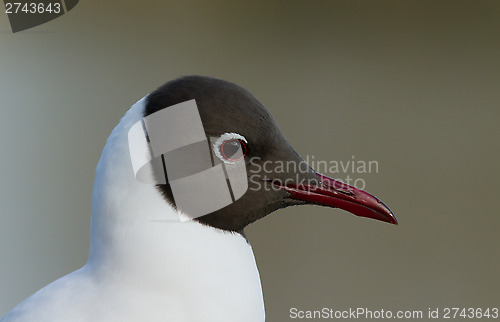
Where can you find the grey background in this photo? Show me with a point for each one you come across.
(411, 84)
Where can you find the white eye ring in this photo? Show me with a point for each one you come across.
(223, 138)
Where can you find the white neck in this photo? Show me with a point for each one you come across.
(134, 241)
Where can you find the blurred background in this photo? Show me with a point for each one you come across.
(414, 85)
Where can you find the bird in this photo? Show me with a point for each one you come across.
(186, 170)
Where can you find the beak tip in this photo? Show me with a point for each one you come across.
(392, 219)
(387, 217)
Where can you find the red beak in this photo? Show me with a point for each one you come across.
(336, 194)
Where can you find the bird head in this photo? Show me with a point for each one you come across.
(220, 150)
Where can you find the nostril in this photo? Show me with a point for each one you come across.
(335, 189)
(345, 191)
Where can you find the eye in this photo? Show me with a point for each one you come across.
(230, 147)
(233, 150)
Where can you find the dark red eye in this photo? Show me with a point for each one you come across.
(233, 150)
